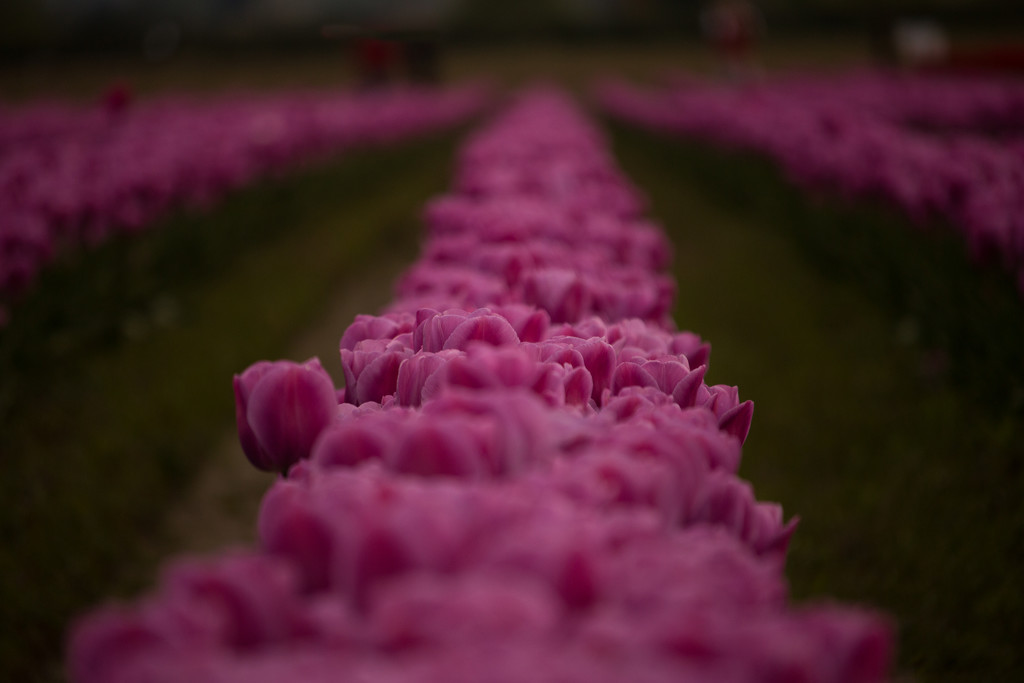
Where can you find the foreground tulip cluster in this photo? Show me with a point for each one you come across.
(72, 176)
(939, 148)
(525, 478)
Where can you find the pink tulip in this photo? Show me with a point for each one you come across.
(559, 292)
(438, 450)
(280, 409)
(385, 327)
(431, 611)
(416, 371)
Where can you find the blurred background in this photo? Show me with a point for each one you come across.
(909, 485)
(146, 38)
(127, 27)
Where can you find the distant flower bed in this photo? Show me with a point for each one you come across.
(72, 176)
(525, 478)
(942, 148)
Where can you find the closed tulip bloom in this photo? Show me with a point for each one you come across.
(281, 408)
(243, 386)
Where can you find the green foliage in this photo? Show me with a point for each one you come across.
(907, 478)
(118, 374)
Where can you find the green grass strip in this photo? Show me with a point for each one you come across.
(909, 489)
(101, 437)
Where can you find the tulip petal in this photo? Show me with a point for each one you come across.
(736, 421)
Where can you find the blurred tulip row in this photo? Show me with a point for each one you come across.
(525, 477)
(72, 176)
(946, 149)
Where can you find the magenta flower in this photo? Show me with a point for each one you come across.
(562, 293)
(433, 328)
(455, 329)
(371, 368)
(290, 527)
(578, 387)
(280, 410)
(490, 367)
(697, 351)
(609, 478)
(248, 597)
(531, 324)
(632, 375)
(668, 372)
(729, 502)
(385, 327)
(416, 372)
(438, 449)
(425, 611)
(686, 389)
(351, 442)
(513, 428)
(736, 420)
(599, 359)
(489, 329)
(459, 285)
(110, 641)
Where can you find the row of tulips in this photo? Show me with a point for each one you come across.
(930, 146)
(949, 105)
(72, 176)
(525, 477)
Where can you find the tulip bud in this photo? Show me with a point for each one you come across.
(280, 409)
(243, 386)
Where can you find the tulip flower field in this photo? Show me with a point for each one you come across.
(936, 147)
(525, 475)
(943, 153)
(499, 448)
(72, 176)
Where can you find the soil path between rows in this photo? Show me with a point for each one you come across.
(219, 510)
